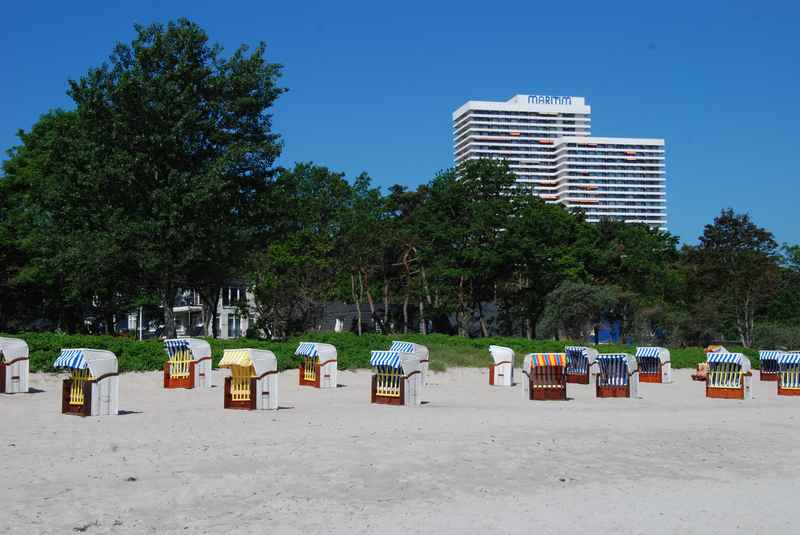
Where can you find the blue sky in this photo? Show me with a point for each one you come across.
(373, 84)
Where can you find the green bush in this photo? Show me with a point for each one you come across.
(777, 335)
(353, 351)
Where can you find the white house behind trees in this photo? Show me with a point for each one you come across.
(190, 315)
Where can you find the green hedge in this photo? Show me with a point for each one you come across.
(353, 351)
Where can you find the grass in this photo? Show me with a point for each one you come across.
(353, 351)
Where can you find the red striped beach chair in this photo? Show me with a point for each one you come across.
(546, 376)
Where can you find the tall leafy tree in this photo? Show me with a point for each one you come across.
(785, 306)
(295, 270)
(464, 219)
(544, 244)
(66, 219)
(188, 148)
(736, 270)
(360, 246)
(404, 267)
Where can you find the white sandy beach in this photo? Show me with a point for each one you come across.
(474, 459)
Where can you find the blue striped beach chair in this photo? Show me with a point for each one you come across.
(768, 368)
(93, 386)
(729, 376)
(618, 376)
(789, 374)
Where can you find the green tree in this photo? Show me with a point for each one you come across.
(187, 146)
(575, 310)
(360, 246)
(295, 271)
(736, 271)
(404, 268)
(784, 308)
(65, 219)
(544, 243)
(464, 219)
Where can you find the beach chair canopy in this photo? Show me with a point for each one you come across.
(502, 354)
(420, 351)
(652, 352)
(609, 359)
(730, 358)
(407, 362)
(769, 355)
(546, 359)
(98, 361)
(199, 349)
(315, 349)
(790, 358)
(579, 351)
(13, 348)
(262, 360)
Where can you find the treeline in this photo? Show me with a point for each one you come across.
(162, 178)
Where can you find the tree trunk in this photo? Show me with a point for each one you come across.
(356, 299)
(482, 321)
(369, 298)
(745, 324)
(385, 303)
(210, 301)
(405, 313)
(425, 288)
(108, 319)
(530, 329)
(423, 328)
(461, 311)
(169, 314)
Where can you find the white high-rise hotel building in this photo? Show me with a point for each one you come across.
(547, 143)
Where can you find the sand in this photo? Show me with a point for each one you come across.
(474, 459)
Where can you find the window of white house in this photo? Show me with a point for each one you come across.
(234, 326)
(231, 295)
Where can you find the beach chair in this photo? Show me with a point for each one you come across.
(789, 374)
(618, 376)
(93, 387)
(318, 367)
(729, 376)
(396, 378)
(545, 376)
(769, 369)
(253, 383)
(188, 364)
(581, 364)
(501, 371)
(14, 367)
(654, 365)
(421, 353)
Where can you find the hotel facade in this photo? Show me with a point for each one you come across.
(547, 143)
